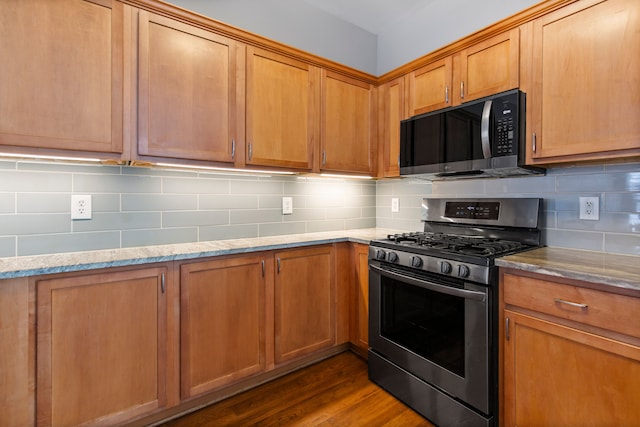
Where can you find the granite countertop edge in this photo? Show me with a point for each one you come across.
(25, 266)
(608, 269)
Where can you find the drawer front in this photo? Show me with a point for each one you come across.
(596, 308)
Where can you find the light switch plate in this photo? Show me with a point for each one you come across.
(287, 206)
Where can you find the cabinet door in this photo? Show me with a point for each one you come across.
(347, 125)
(186, 90)
(282, 110)
(101, 343)
(391, 108)
(304, 302)
(430, 87)
(585, 95)
(488, 67)
(62, 75)
(223, 321)
(556, 375)
(360, 306)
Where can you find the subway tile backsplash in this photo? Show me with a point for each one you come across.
(617, 186)
(135, 206)
(146, 206)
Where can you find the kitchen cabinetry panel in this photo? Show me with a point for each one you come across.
(187, 91)
(571, 355)
(391, 110)
(17, 358)
(62, 75)
(283, 98)
(360, 304)
(304, 302)
(224, 321)
(430, 87)
(101, 342)
(585, 93)
(347, 124)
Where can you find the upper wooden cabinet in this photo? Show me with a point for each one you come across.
(483, 69)
(391, 110)
(584, 92)
(61, 64)
(186, 91)
(282, 110)
(348, 124)
(102, 346)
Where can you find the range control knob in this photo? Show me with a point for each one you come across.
(416, 261)
(463, 271)
(392, 257)
(445, 267)
(380, 254)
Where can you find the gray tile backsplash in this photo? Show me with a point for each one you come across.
(617, 186)
(150, 206)
(136, 206)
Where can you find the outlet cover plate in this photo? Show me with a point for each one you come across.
(395, 204)
(287, 205)
(81, 206)
(590, 208)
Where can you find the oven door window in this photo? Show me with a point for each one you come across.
(428, 323)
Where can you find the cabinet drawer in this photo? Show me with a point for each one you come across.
(596, 308)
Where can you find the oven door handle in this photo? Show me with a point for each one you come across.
(463, 293)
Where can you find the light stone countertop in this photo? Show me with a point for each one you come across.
(12, 267)
(610, 270)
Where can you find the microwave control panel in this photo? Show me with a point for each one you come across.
(505, 134)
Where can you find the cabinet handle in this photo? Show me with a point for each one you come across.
(446, 94)
(506, 329)
(398, 160)
(250, 151)
(262, 268)
(533, 141)
(233, 149)
(324, 157)
(278, 262)
(162, 282)
(572, 304)
(461, 90)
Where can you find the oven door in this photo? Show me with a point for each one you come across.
(436, 331)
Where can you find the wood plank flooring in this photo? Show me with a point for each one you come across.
(334, 392)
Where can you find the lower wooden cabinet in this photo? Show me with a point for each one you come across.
(101, 346)
(360, 299)
(304, 302)
(571, 354)
(225, 321)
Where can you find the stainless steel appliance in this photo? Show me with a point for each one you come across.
(433, 306)
(482, 138)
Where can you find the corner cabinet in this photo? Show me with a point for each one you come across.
(571, 353)
(102, 346)
(224, 321)
(62, 77)
(585, 83)
(348, 124)
(282, 114)
(391, 110)
(186, 91)
(485, 68)
(305, 307)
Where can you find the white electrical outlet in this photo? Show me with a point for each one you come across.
(80, 207)
(287, 206)
(590, 208)
(395, 204)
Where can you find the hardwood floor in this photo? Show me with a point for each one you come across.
(333, 392)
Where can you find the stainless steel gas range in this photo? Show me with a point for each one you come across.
(433, 306)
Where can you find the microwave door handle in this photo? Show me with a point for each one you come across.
(484, 129)
(463, 293)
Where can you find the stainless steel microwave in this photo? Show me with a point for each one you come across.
(482, 138)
